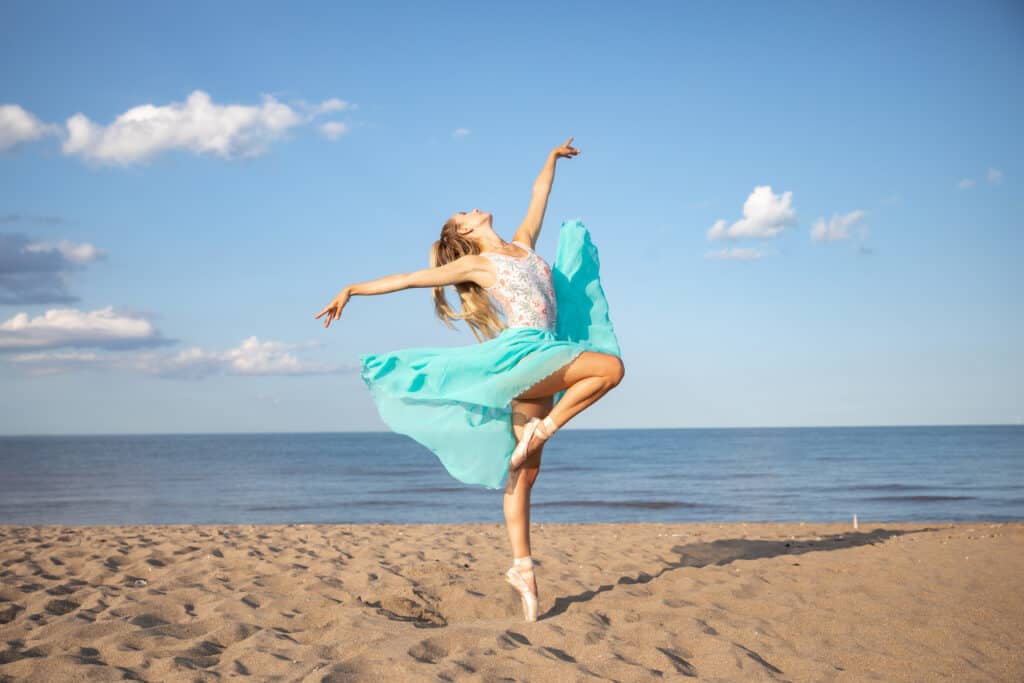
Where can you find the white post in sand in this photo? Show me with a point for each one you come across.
(854, 520)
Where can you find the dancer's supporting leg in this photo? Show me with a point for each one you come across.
(520, 483)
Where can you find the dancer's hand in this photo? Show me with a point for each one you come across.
(565, 150)
(333, 309)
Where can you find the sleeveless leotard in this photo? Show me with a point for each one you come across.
(524, 289)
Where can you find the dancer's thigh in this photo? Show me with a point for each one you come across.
(587, 364)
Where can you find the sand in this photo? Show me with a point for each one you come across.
(629, 602)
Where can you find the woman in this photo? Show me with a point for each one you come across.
(487, 409)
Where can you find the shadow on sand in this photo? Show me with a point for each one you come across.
(724, 551)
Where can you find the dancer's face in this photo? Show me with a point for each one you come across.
(473, 223)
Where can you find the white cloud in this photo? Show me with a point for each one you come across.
(735, 254)
(460, 132)
(331, 105)
(965, 183)
(18, 125)
(836, 228)
(69, 327)
(198, 125)
(76, 252)
(994, 175)
(765, 214)
(332, 130)
(253, 357)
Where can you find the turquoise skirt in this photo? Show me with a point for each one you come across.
(457, 401)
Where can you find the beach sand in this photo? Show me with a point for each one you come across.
(629, 602)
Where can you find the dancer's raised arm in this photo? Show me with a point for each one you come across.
(529, 229)
(469, 267)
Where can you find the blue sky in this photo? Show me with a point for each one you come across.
(808, 214)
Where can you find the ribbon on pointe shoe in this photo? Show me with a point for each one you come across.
(545, 429)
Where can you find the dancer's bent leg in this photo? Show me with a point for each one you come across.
(586, 379)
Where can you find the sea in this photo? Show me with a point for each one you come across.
(936, 473)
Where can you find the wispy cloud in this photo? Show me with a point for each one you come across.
(994, 176)
(327, 106)
(765, 214)
(836, 228)
(7, 218)
(252, 357)
(76, 252)
(38, 272)
(460, 132)
(735, 254)
(332, 130)
(71, 328)
(18, 125)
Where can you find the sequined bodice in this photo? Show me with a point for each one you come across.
(524, 289)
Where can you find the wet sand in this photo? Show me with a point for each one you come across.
(808, 601)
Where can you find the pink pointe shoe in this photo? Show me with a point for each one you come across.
(535, 428)
(519, 575)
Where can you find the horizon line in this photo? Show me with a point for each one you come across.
(577, 429)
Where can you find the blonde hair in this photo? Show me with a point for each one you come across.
(477, 308)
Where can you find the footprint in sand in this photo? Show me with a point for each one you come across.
(428, 651)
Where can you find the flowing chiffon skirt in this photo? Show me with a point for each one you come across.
(456, 401)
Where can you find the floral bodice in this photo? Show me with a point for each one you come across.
(524, 289)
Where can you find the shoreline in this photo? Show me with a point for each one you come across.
(627, 600)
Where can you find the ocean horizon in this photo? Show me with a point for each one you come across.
(879, 473)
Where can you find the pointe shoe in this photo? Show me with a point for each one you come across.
(546, 428)
(519, 454)
(535, 428)
(518, 578)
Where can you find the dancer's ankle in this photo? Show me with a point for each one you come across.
(523, 564)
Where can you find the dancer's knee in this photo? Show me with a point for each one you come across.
(614, 371)
(531, 466)
(521, 481)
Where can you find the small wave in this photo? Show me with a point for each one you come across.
(278, 508)
(420, 489)
(918, 499)
(880, 487)
(640, 504)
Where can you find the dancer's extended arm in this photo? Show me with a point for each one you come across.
(466, 268)
(529, 229)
